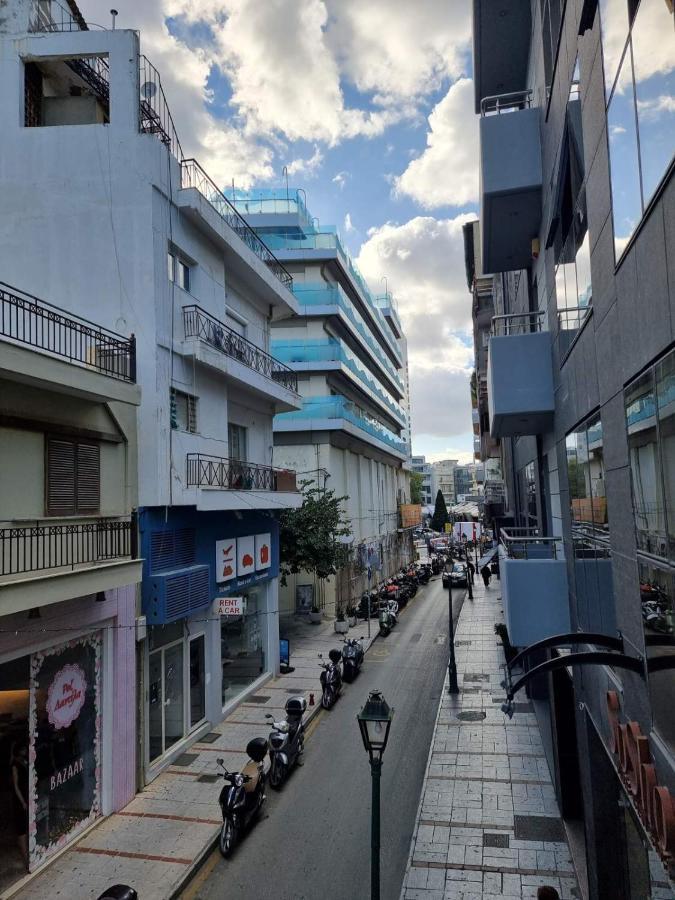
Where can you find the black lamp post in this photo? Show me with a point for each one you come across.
(468, 577)
(375, 721)
(453, 687)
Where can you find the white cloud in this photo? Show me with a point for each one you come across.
(652, 110)
(307, 167)
(446, 174)
(463, 457)
(340, 179)
(652, 50)
(348, 224)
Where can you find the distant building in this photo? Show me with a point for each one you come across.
(419, 464)
(443, 480)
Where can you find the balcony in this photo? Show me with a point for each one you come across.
(69, 559)
(196, 184)
(339, 414)
(501, 46)
(570, 323)
(510, 181)
(219, 482)
(533, 576)
(329, 354)
(520, 376)
(233, 355)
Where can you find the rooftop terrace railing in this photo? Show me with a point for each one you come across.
(199, 324)
(193, 176)
(28, 320)
(51, 15)
(527, 543)
(154, 113)
(517, 323)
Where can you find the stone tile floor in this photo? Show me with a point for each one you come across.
(484, 773)
(155, 842)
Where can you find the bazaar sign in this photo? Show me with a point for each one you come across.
(66, 696)
(654, 802)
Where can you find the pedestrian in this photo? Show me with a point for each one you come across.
(19, 770)
(472, 571)
(495, 567)
(485, 572)
(546, 892)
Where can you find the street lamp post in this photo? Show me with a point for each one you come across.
(375, 721)
(453, 687)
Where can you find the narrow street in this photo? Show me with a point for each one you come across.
(315, 837)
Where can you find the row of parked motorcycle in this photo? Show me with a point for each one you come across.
(243, 795)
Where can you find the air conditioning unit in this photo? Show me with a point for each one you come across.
(176, 594)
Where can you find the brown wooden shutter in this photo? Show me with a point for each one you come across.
(88, 478)
(61, 493)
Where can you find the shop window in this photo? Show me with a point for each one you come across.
(178, 271)
(639, 85)
(657, 603)
(183, 411)
(66, 91)
(73, 478)
(650, 421)
(242, 646)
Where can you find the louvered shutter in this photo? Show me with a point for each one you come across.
(61, 493)
(88, 478)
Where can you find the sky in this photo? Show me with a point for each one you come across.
(368, 103)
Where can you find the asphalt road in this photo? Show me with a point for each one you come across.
(313, 842)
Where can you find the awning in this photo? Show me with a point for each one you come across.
(487, 558)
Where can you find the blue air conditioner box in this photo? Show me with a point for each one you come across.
(176, 594)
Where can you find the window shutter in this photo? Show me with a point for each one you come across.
(61, 495)
(88, 478)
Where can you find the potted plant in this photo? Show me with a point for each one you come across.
(315, 614)
(341, 624)
(351, 616)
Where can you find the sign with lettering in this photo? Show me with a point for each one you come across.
(263, 551)
(245, 555)
(66, 696)
(653, 802)
(226, 560)
(61, 776)
(229, 606)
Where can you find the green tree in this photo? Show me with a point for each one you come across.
(309, 537)
(416, 482)
(440, 516)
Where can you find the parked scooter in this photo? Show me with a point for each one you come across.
(352, 658)
(331, 679)
(242, 798)
(286, 741)
(387, 619)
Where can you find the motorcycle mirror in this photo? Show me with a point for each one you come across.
(269, 716)
(220, 761)
(320, 655)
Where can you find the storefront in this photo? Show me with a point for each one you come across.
(65, 694)
(211, 605)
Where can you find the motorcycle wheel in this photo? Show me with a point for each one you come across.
(228, 837)
(326, 700)
(301, 747)
(277, 774)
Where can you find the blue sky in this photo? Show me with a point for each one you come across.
(369, 105)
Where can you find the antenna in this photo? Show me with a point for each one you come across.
(113, 13)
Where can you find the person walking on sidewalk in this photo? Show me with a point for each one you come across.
(472, 571)
(485, 572)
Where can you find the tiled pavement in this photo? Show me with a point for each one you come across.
(162, 835)
(488, 825)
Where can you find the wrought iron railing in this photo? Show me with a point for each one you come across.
(199, 324)
(50, 15)
(38, 547)
(28, 320)
(527, 543)
(237, 475)
(154, 112)
(193, 176)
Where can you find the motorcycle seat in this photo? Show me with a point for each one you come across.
(252, 770)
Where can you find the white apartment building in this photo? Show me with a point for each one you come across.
(124, 230)
(443, 480)
(348, 350)
(419, 464)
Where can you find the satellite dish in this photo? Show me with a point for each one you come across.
(148, 90)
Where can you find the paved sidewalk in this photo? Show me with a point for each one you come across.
(488, 825)
(157, 841)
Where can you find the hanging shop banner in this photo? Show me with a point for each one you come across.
(229, 606)
(226, 560)
(245, 555)
(263, 551)
(65, 735)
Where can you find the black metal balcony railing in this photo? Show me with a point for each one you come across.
(193, 176)
(54, 16)
(31, 321)
(155, 115)
(236, 474)
(39, 547)
(199, 324)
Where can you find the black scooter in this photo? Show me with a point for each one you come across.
(287, 741)
(243, 796)
(331, 679)
(352, 658)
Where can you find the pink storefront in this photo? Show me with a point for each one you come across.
(67, 724)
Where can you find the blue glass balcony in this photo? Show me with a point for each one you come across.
(328, 411)
(302, 355)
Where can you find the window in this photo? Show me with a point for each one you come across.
(179, 271)
(236, 437)
(183, 411)
(73, 477)
(639, 68)
(657, 605)
(235, 323)
(66, 91)
(551, 20)
(650, 420)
